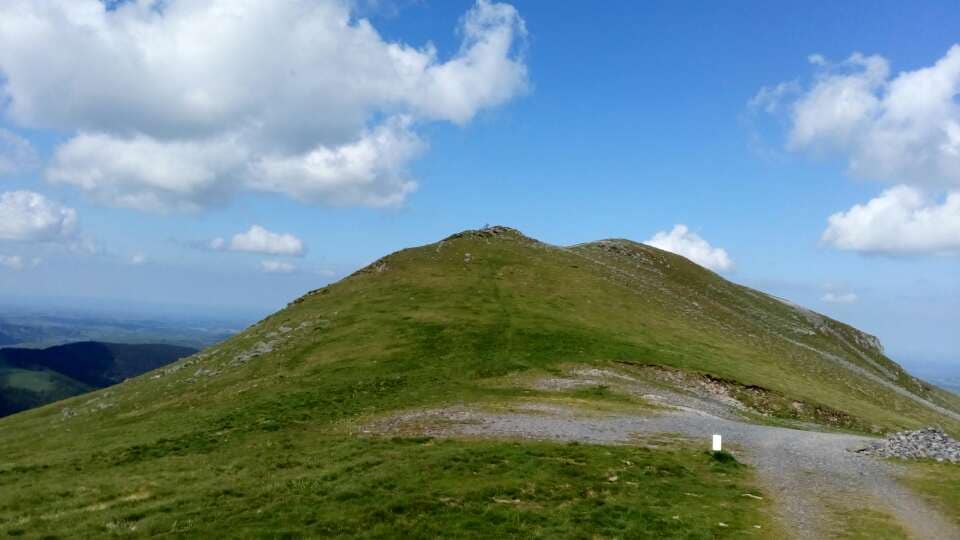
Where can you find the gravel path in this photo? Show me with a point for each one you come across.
(801, 470)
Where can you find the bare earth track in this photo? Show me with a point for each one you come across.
(805, 472)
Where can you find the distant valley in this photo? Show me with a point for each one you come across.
(37, 328)
(55, 352)
(33, 377)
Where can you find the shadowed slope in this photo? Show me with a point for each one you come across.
(33, 377)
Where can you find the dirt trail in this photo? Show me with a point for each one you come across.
(802, 470)
(805, 472)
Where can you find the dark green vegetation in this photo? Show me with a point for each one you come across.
(33, 377)
(265, 432)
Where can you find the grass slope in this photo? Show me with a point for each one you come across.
(211, 440)
(412, 488)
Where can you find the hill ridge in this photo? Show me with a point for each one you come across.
(268, 428)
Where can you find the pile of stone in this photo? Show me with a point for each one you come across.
(928, 443)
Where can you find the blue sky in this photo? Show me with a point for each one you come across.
(570, 121)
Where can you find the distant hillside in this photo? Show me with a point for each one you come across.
(45, 327)
(33, 377)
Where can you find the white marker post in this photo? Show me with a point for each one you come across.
(716, 443)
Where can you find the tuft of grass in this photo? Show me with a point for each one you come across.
(725, 458)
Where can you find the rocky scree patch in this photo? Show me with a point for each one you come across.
(928, 443)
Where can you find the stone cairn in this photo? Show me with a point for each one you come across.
(927, 443)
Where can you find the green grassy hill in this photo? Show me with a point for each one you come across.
(260, 434)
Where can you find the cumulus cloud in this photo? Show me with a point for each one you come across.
(370, 171)
(682, 241)
(192, 101)
(902, 220)
(259, 240)
(901, 128)
(839, 108)
(30, 217)
(277, 267)
(16, 153)
(148, 174)
(138, 259)
(839, 298)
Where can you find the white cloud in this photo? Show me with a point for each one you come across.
(16, 262)
(903, 128)
(191, 101)
(839, 107)
(16, 153)
(31, 217)
(217, 244)
(144, 173)
(770, 98)
(138, 259)
(682, 241)
(259, 240)
(369, 171)
(839, 298)
(901, 221)
(277, 267)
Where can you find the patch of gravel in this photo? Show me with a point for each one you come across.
(928, 443)
(806, 472)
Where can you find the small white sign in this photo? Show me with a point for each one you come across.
(716, 443)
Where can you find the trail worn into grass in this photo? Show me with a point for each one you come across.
(806, 472)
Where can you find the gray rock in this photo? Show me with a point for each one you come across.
(928, 443)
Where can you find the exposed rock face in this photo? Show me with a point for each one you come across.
(490, 231)
(927, 443)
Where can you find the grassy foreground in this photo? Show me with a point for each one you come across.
(382, 488)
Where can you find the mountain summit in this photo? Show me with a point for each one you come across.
(278, 426)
